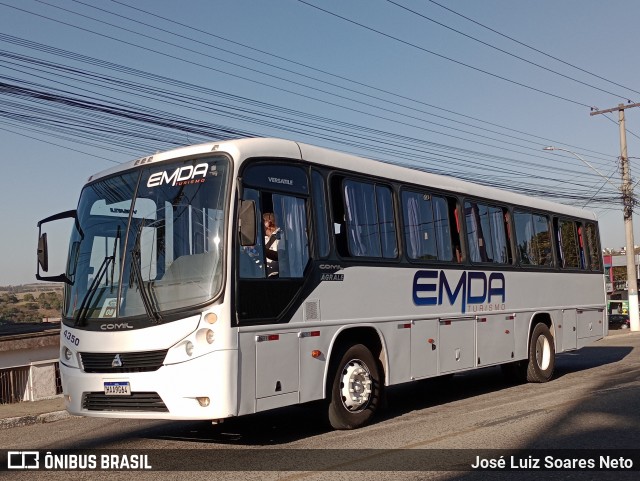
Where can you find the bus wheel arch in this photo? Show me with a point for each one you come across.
(355, 378)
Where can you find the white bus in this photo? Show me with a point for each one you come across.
(178, 304)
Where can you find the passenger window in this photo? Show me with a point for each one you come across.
(568, 245)
(370, 225)
(427, 231)
(487, 233)
(592, 244)
(533, 239)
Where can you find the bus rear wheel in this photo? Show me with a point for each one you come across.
(355, 390)
(541, 355)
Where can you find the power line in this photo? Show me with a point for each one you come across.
(101, 108)
(394, 94)
(387, 92)
(169, 96)
(627, 130)
(253, 80)
(502, 50)
(533, 48)
(398, 147)
(375, 106)
(22, 134)
(335, 104)
(477, 69)
(296, 73)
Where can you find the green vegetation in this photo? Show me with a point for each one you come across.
(30, 303)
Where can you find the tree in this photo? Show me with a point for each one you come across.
(620, 273)
(9, 298)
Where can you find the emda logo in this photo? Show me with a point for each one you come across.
(181, 176)
(433, 288)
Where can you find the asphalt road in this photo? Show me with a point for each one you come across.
(593, 403)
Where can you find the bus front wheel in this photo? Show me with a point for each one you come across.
(541, 355)
(356, 388)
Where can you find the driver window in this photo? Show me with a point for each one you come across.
(282, 245)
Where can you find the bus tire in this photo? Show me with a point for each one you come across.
(541, 355)
(356, 388)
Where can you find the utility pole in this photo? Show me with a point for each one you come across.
(627, 200)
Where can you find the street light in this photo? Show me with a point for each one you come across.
(587, 163)
(632, 281)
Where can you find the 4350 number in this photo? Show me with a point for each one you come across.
(71, 338)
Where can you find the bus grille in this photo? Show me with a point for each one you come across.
(137, 402)
(101, 362)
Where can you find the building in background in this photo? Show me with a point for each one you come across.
(615, 270)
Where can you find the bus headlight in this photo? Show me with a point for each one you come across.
(68, 357)
(188, 347)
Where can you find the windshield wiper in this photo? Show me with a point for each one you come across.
(113, 264)
(136, 273)
(81, 314)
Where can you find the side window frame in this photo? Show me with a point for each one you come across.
(504, 232)
(447, 205)
(593, 246)
(567, 236)
(517, 214)
(343, 229)
(265, 180)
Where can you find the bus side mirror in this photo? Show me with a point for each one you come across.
(43, 249)
(43, 253)
(247, 223)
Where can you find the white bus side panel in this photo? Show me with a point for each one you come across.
(419, 341)
(424, 348)
(495, 338)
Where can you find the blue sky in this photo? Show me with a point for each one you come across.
(378, 74)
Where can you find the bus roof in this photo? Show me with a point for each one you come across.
(241, 149)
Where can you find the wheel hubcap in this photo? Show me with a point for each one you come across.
(543, 353)
(355, 385)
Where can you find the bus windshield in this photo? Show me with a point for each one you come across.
(148, 241)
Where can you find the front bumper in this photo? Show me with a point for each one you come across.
(177, 387)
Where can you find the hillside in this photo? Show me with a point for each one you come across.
(30, 302)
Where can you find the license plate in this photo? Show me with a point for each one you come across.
(117, 389)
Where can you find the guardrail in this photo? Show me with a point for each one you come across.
(37, 380)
